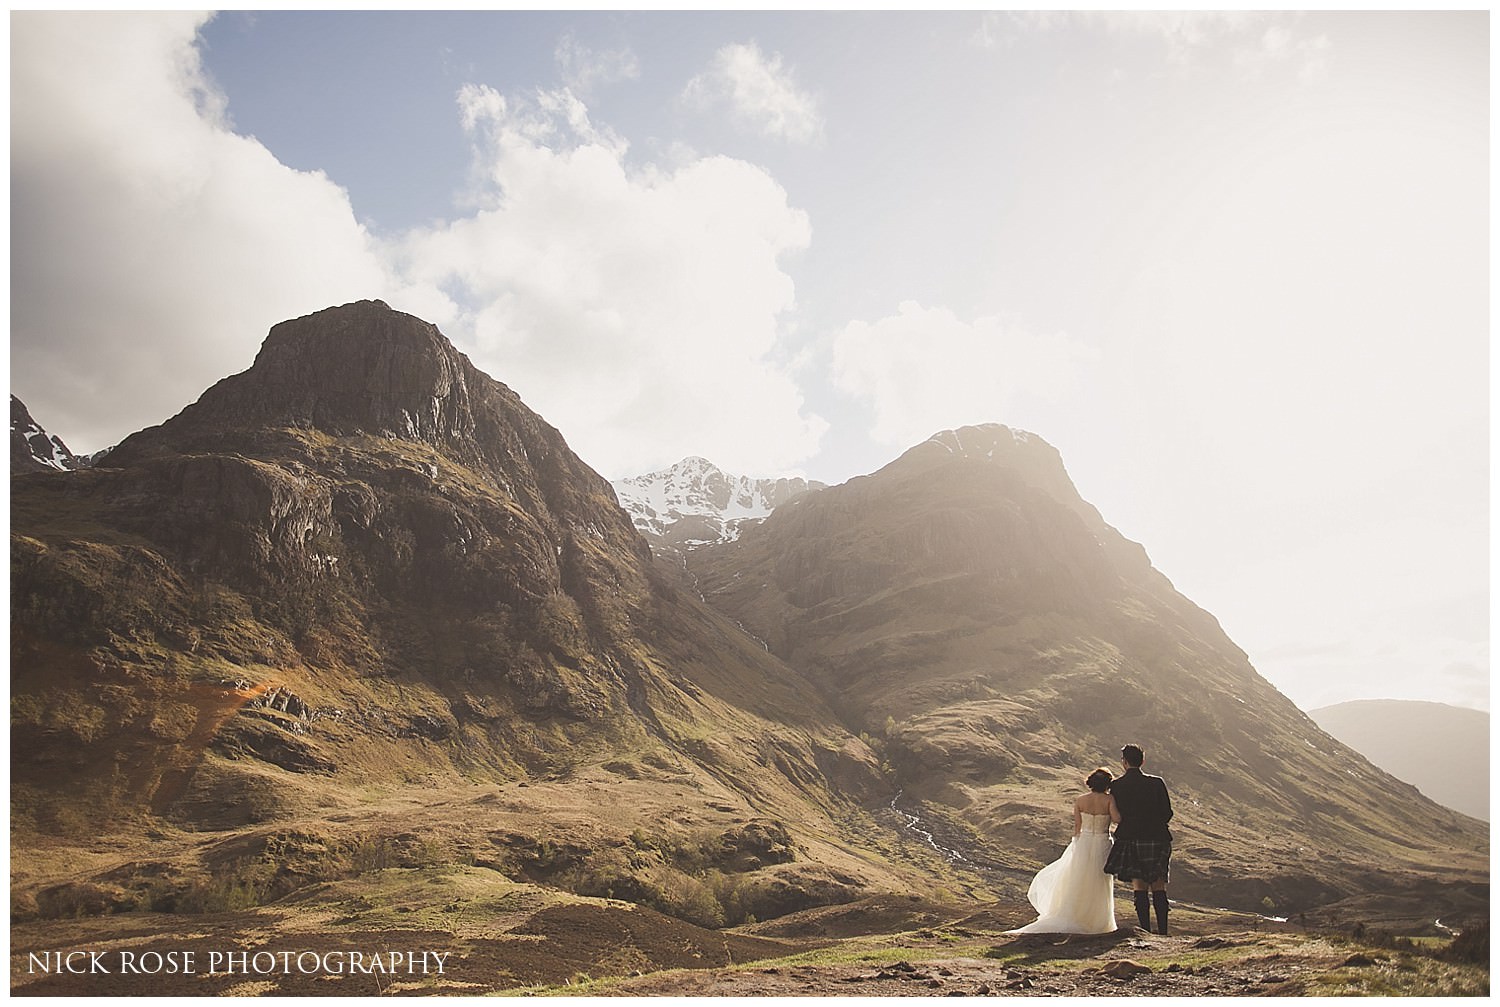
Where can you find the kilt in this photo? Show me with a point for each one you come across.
(1139, 859)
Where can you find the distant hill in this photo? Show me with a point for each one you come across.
(1443, 750)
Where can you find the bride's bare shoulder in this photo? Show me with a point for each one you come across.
(1090, 803)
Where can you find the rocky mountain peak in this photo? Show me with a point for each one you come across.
(988, 450)
(1025, 453)
(360, 367)
(366, 369)
(361, 436)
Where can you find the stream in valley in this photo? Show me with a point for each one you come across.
(914, 824)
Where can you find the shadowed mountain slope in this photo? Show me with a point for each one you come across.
(969, 611)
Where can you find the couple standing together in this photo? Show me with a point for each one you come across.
(1075, 893)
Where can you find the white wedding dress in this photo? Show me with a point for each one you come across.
(1072, 894)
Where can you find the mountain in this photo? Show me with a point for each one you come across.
(31, 447)
(357, 628)
(695, 503)
(1444, 750)
(996, 640)
(363, 568)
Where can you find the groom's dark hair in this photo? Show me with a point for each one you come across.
(1133, 755)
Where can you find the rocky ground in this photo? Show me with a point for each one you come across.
(524, 939)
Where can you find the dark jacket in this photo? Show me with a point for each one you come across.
(1145, 808)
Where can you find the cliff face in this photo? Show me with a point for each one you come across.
(966, 608)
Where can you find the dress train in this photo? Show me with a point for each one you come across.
(1073, 895)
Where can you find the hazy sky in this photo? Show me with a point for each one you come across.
(1235, 267)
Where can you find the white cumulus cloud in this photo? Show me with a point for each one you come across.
(634, 308)
(760, 93)
(925, 369)
(152, 246)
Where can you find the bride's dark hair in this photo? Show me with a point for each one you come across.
(1099, 780)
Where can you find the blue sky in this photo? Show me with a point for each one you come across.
(1235, 267)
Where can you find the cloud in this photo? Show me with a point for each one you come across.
(760, 94)
(582, 68)
(153, 247)
(635, 308)
(924, 369)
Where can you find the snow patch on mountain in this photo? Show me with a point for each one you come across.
(696, 503)
(33, 448)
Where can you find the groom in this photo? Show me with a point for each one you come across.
(1143, 844)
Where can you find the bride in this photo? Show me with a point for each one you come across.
(1072, 894)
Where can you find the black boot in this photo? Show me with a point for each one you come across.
(1159, 899)
(1143, 910)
